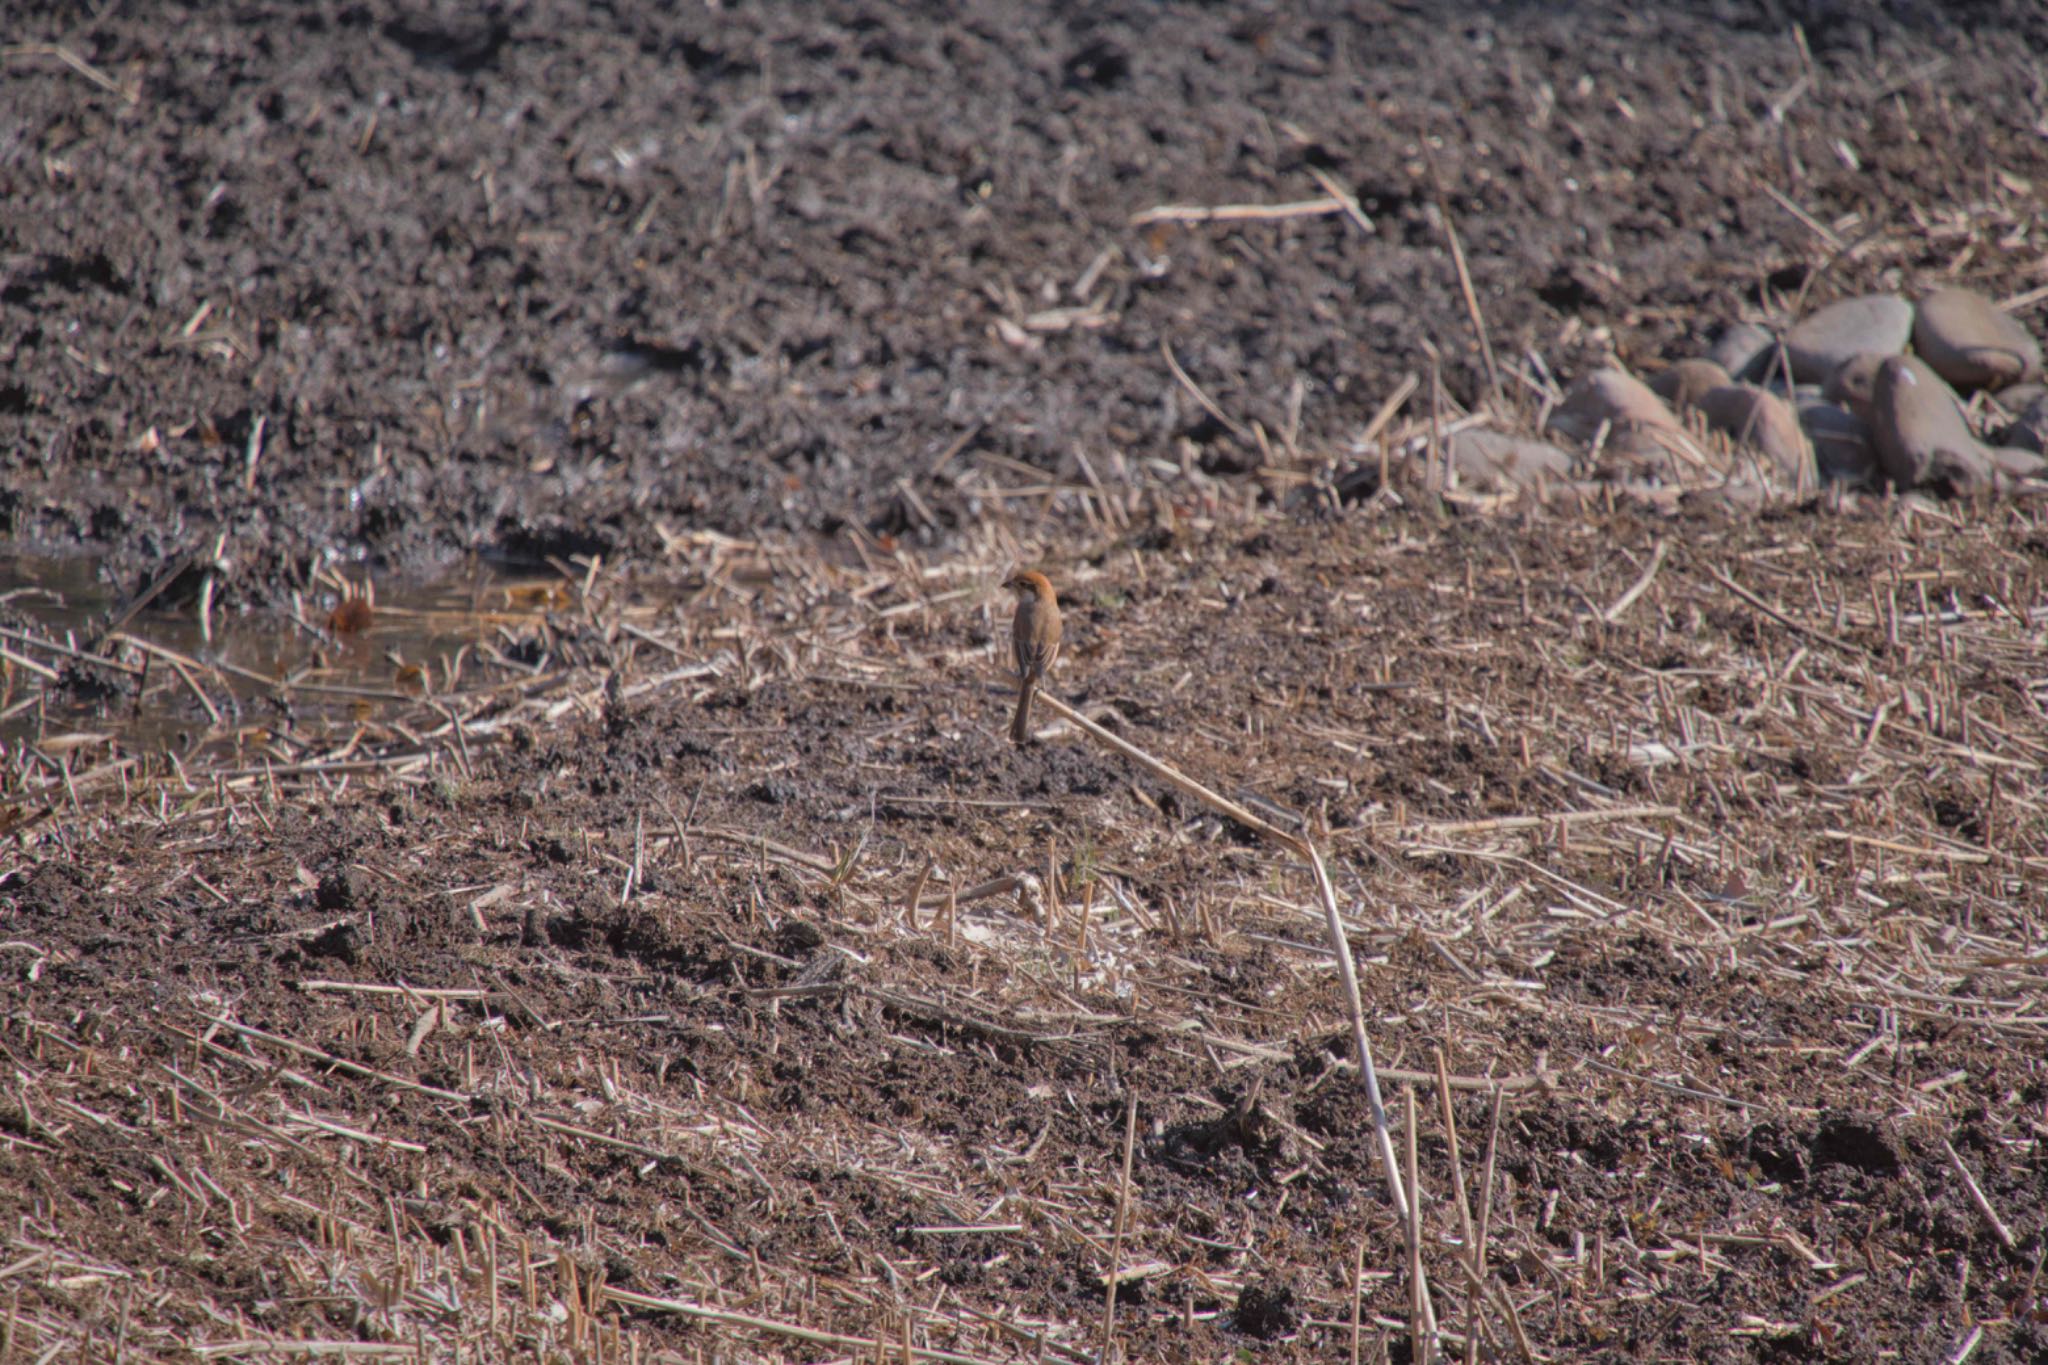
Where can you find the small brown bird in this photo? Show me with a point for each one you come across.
(1036, 636)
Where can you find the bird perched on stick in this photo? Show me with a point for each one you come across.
(1036, 636)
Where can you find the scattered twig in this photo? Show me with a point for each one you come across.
(877, 1348)
(1640, 586)
(1235, 427)
(1780, 617)
(1240, 213)
(1116, 1241)
(1977, 1197)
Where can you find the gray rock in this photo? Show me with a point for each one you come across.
(1683, 383)
(1820, 342)
(1972, 342)
(1841, 442)
(2020, 397)
(1744, 350)
(1494, 459)
(1919, 429)
(1613, 397)
(2018, 464)
(1853, 382)
(1764, 420)
(2029, 431)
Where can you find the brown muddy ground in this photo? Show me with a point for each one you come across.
(811, 321)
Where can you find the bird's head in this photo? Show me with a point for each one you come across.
(1029, 583)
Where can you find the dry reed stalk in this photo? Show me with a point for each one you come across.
(1116, 1241)
(1340, 944)
(1242, 213)
(1230, 423)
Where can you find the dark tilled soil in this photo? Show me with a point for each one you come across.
(535, 281)
(541, 279)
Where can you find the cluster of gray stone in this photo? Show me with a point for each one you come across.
(1867, 390)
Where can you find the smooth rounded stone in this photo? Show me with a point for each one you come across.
(1841, 442)
(1919, 429)
(2020, 397)
(1743, 349)
(2029, 430)
(1496, 459)
(1854, 381)
(1819, 343)
(2015, 463)
(1684, 383)
(1972, 342)
(1764, 420)
(1748, 495)
(1619, 400)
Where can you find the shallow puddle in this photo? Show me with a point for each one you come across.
(167, 670)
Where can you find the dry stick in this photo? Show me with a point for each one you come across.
(339, 1063)
(424, 992)
(180, 663)
(1116, 1241)
(1954, 855)
(1976, 1193)
(1807, 220)
(1437, 470)
(43, 671)
(1346, 198)
(1443, 1092)
(1384, 414)
(980, 891)
(1443, 208)
(253, 452)
(75, 62)
(1173, 777)
(2020, 302)
(212, 711)
(1208, 404)
(1485, 1226)
(1781, 618)
(1334, 924)
(142, 599)
(325, 1350)
(1401, 394)
(38, 642)
(816, 862)
(1563, 817)
(618, 1144)
(1476, 1291)
(1357, 1297)
(917, 892)
(1641, 585)
(783, 1329)
(1239, 213)
(1475, 1238)
(1423, 1339)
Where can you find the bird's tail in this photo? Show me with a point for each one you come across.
(1020, 728)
